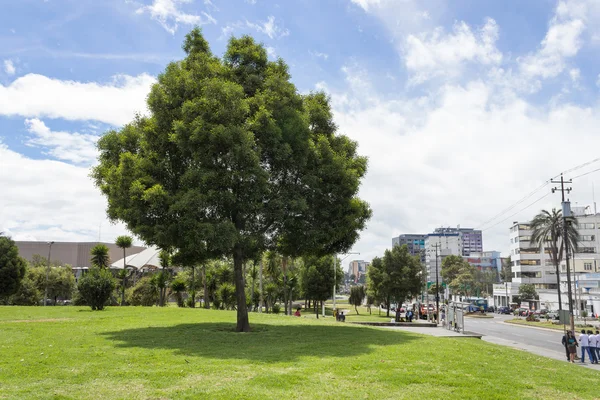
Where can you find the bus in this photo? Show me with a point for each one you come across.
(477, 302)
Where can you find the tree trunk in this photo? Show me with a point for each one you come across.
(260, 288)
(285, 293)
(124, 279)
(206, 301)
(397, 314)
(316, 309)
(252, 288)
(388, 307)
(243, 325)
(356, 309)
(558, 287)
(193, 286)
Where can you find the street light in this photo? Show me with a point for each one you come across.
(335, 272)
(506, 290)
(48, 272)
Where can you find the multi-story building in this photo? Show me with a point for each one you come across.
(486, 261)
(358, 268)
(446, 243)
(414, 242)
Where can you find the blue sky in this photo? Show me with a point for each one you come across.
(462, 106)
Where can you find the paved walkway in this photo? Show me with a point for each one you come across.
(437, 332)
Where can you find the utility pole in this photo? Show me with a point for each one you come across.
(437, 284)
(566, 212)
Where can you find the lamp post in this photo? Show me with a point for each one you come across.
(48, 272)
(335, 273)
(506, 289)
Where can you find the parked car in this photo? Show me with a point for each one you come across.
(504, 310)
(522, 312)
(541, 312)
(552, 315)
(491, 309)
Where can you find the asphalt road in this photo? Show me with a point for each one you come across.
(540, 341)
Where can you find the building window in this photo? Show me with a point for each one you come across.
(517, 239)
(587, 266)
(523, 227)
(524, 238)
(586, 226)
(587, 238)
(530, 262)
(530, 250)
(586, 249)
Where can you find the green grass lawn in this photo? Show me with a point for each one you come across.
(546, 324)
(171, 353)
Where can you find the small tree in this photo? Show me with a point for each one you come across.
(357, 295)
(226, 293)
(12, 267)
(178, 287)
(527, 292)
(96, 287)
(144, 293)
(124, 242)
(100, 256)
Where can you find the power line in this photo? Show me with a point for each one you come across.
(514, 205)
(523, 209)
(584, 174)
(530, 194)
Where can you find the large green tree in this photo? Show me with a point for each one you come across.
(395, 277)
(318, 277)
(459, 275)
(233, 160)
(547, 229)
(12, 267)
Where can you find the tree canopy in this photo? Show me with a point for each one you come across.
(458, 274)
(12, 267)
(395, 277)
(233, 160)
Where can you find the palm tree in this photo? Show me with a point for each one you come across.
(100, 256)
(123, 242)
(547, 228)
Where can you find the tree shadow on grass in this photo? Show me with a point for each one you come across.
(266, 343)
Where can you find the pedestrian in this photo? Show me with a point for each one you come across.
(585, 346)
(565, 343)
(572, 345)
(592, 347)
(597, 345)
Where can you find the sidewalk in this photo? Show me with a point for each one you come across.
(435, 331)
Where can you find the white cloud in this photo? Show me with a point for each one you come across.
(271, 52)
(114, 103)
(438, 53)
(169, 14)
(459, 155)
(50, 200)
(366, 4)
(77, 148)
(269, 28)
(253, 2)
(9, 67)
(562, 41)
(317, 54)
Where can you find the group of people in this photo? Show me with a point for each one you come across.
(590, 344)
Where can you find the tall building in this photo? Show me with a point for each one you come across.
(414, 242)
(358, 268)
(486, 261)
(449, 241)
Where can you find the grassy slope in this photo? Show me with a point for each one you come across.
(131, 352)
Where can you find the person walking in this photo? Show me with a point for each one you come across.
(585, 346)
(597, 345)
(565, 343)
(592, 347)
(572, 346)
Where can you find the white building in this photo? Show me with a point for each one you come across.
(447, 244)
(532, 264)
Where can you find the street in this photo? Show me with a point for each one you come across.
(540, 341)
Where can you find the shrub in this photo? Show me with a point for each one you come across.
(27, 295)
(226, 294)
(144, 293)
(178, 286)
(78, 300)
(276, 308)
(96, 287)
